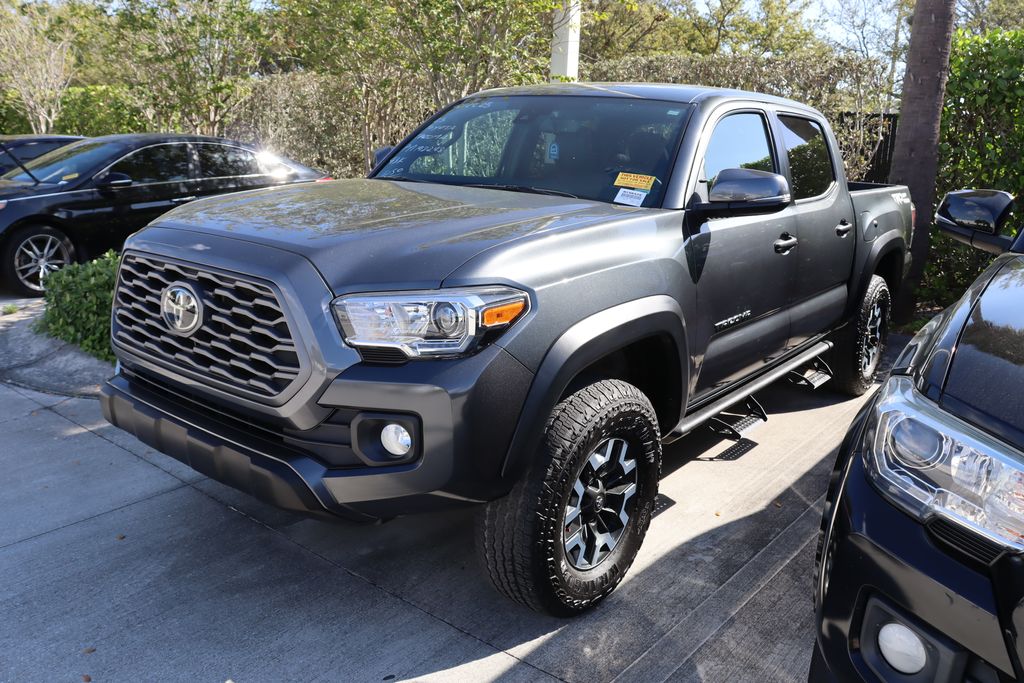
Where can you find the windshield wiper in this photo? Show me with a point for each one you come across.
(523, 188)
(18, 162)
(402, 178)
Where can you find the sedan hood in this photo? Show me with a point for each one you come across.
(376, 234)
(10, 189)
(986, 375)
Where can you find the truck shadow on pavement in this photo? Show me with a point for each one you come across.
(721, 589)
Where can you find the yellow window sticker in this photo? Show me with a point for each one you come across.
(70, 176)
(635, 180)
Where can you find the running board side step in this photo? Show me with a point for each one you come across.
(699, 417)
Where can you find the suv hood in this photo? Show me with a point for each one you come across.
(378, 234)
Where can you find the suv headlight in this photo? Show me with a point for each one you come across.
(432, 323)
(931, 463)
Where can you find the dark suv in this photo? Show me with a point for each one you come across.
(81, 199)
(920, 572)
(528, 296)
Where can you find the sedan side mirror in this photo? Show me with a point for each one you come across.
(113, 180)
(745, 191)
(380, 154)
(975, 218)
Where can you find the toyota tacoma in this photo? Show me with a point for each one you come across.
(524, 301)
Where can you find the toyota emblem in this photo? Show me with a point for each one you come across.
(181, 309)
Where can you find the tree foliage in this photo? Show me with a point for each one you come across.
(35, 61)
(847, 89)
(191, 61)
(981, 140)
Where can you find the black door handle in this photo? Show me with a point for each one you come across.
(844, 228)
(785, 243)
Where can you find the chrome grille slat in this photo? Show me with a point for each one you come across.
(244, 341)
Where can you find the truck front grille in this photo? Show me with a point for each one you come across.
(243, 343)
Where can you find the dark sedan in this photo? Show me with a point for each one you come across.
(25, 148)
(84, 198)
(920, 572)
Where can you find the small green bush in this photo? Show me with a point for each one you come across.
(99, 110)
(78, 302)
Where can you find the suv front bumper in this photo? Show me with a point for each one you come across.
(466, 410)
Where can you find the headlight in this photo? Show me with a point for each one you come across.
(441, 322)
(932, 463)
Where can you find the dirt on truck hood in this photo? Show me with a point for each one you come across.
(372, 233)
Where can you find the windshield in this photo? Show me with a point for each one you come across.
(606, 149)
(67, 164)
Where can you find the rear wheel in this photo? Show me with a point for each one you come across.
(32, 253)
(861, 344)
(566, 535)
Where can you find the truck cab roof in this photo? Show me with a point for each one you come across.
(671, 92)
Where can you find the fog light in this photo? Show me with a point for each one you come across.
(902, 648)
(396, 439)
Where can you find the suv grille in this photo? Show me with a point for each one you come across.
(243, 343)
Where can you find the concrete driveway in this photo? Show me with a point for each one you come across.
(118, 564)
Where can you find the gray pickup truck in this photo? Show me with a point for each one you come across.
(528, 296)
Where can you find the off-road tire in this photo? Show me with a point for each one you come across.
(520, 537)
(852, 375)
(9, 252)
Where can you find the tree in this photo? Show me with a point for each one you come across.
(418, 55)
(982, 16)
(915, 151)
(36, 62)
(191, 61)
(876, 30)
(623, 28)
(764, 27)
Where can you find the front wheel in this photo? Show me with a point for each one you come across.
(32, 253)
(566, 535)
(859, 349)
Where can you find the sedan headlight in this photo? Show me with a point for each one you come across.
(432, 323)
(932, 463)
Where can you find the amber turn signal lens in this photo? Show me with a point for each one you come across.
(502, 314)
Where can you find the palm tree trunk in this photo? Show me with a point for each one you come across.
(915, 156)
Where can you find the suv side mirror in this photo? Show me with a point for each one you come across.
(975, 218)
(745, 191)
(114, 179)
(379, 154)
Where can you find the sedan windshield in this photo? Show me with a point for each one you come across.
(606, 149)
(67, 164)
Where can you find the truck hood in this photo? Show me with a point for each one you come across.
(382, 234)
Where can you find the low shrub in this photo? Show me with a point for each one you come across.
(78, 302)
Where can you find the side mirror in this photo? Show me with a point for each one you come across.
(745, 191)
(379, 155)
(113, 180)
(975, 218)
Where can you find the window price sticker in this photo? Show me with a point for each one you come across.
(630, 197)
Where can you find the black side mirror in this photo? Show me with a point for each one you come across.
(113, 180)
(745, 191)
(380, 154)
(975, 218)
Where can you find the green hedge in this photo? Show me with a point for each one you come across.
(78, 302)
(980, 147)
(90, 111)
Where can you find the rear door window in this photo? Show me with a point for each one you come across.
(810, 164)
(224, 161)
(156, 164)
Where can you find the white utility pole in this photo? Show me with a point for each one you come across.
(565, 45)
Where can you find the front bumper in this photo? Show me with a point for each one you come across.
(465, 410)
(878, 564)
